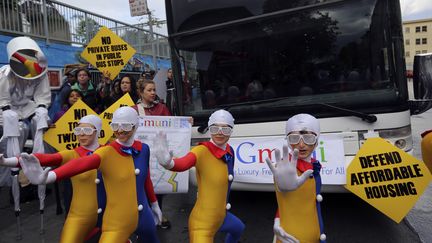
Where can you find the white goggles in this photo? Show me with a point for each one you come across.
(217, 129)
(308, 138)
(83, 131)
(116, 126)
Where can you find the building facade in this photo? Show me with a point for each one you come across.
(417, 39)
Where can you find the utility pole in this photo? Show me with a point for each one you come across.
(153, 22)
(154, 54)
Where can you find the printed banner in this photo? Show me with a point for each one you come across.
(250, 154)
(387, 178)
(178, 130)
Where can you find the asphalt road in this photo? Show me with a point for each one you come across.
(347, 219)
(420, 217)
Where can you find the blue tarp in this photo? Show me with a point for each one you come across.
(58, 55)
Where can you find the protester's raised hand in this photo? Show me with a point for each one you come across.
(285, 170)
(106, 76)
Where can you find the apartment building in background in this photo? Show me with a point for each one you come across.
(417, 39)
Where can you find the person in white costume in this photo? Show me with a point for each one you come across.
(25, 95)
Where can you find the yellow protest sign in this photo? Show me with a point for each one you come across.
(108, 52)
(107, 115)
(387, 178)
(62, 137)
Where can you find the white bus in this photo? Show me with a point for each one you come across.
(266, 60)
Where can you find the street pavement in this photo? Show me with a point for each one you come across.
(420, 217)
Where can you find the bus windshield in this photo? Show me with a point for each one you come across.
(264, 60)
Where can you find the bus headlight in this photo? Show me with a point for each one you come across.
(400, 143)
(399, 137)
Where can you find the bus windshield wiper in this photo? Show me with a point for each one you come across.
(255, 102)
(203, 128)
(363, 116)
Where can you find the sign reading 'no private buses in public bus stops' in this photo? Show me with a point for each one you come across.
(108, 52)
(387, 178)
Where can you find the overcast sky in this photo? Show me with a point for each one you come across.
(119, 9)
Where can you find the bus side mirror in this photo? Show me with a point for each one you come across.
(422, 82)
(203, 128)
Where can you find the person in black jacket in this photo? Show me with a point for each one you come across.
(86, 87)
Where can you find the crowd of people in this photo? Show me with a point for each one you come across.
(107, 91)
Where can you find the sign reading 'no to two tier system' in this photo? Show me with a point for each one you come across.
(108, 52)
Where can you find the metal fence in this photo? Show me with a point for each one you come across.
(59, 22)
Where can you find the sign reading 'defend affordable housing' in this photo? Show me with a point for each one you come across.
(387, 178)
(178, 131)
(251, 167)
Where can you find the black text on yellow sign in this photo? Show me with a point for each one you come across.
(397, 175)
(387, 178)
(69, 139)
(108, 55)
(108, 52)
(62, 136)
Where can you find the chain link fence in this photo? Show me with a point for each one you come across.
(62, 23)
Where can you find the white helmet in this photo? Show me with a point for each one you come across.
(125, 114)
(303, 122)
(221, 117)
(93, 120)
(26, 59)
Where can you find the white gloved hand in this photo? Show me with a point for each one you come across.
(281, 235)
(8, 162)
(33, 170)
(10, 124)
(157, 212)
(161, 151)
(285, 171)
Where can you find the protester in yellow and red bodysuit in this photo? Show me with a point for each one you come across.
(298, 184)
(124, 165)
(83, 213)
(214, 163)
(82, 216)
